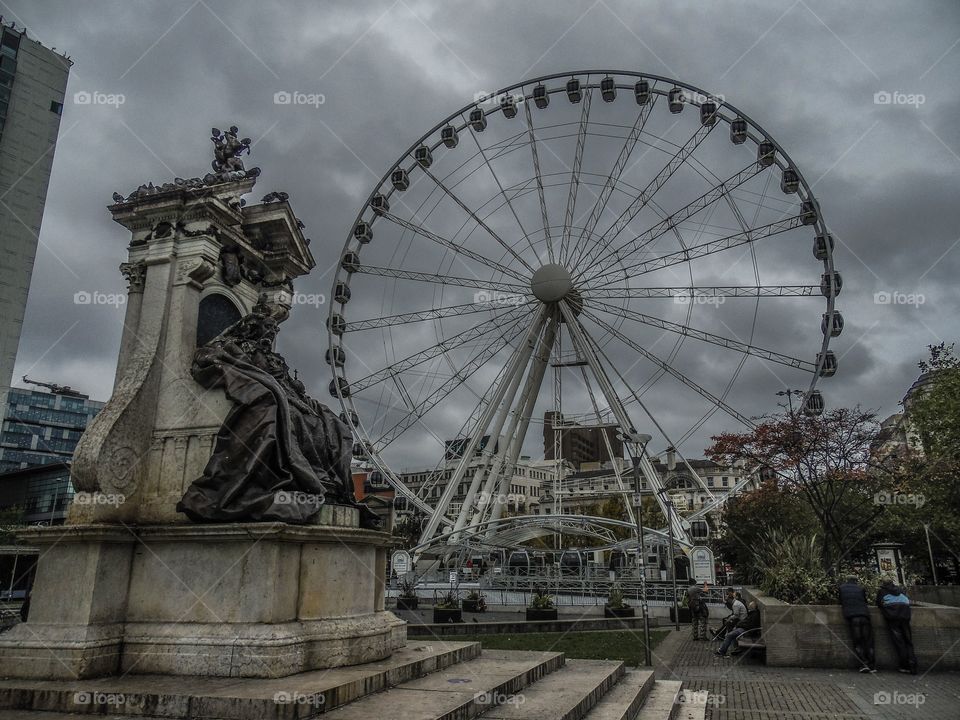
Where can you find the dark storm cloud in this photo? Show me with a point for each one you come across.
(808, 72)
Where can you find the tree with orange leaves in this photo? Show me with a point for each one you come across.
(826, 459)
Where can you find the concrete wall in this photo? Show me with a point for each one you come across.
(937, 594)
(817, 636)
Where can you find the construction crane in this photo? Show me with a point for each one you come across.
(56, 389)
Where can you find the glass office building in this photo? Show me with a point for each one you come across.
(42, 427)
(33, 80)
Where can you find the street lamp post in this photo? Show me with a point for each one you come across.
(789, 394)
(673, 560)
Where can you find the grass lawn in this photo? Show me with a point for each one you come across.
(623, 645)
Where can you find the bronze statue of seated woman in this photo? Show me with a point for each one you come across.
(280, 454)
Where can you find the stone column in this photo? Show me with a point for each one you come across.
(135, 274)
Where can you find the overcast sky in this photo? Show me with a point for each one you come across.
(808, 71)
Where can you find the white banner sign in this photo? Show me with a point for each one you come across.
(401, 562)
(701, 564)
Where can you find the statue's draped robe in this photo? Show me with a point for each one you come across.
(279, 453)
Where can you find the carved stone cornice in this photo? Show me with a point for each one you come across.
(194, 270)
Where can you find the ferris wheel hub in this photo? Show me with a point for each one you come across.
(551, 283)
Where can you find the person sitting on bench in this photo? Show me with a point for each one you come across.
(750, 622)
(738, 611)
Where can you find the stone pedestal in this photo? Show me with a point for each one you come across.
(232, 600)
(129, 585)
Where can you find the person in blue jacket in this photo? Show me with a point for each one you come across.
(895, 606)
(853, 603)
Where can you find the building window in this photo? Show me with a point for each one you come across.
(56, 107)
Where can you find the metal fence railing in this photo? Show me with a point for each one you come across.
(567, 590)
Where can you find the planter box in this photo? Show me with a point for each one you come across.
(620, 612)
(407, 603)
(533, 614)
(684, 615)
(447, 615)
(474, 606)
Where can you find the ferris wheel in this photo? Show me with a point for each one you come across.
(622, 250)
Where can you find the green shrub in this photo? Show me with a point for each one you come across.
(407, 589)
(541, 600)
(615, 598)
(790, 570)
(449, 601)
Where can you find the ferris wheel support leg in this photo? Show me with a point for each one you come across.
(586, 349)
(470, 500)
(482, 423)
(506, 461)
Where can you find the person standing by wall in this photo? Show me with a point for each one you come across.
(697, 602)
(895, 606)
(853, 603)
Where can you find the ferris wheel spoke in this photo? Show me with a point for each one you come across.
(587, 350)
(703, 335)
(539, 176)
(575, 172)
(653, 419)
(438, 471)
(669, 369)
(450, 245)
(419, 410)
(463, 206)
(697, 291)
(507, 199)
(641, 201)
(478, 283)
(421, 315)
(611, 182)
(708, 248)
(606, 441)
(478, 331)
(632, 247)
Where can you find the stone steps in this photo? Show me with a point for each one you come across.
(624, 701)
(597, 690)
(177, 698)
(567, 694)
(459, 692)
(663, 702)
(430, 681)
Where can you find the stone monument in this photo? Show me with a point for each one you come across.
(220, 536)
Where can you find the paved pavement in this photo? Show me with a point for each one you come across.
(742, 688)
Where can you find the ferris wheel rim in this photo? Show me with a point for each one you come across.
(804, 189)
